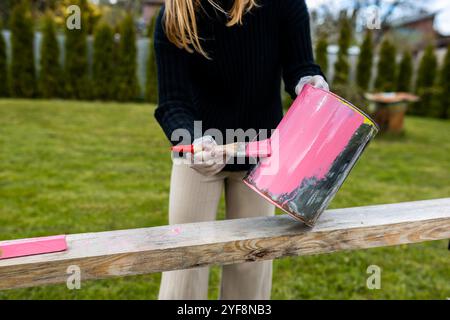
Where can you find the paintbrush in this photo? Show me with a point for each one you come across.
(237, 149)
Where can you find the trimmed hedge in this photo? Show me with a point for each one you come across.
(22, 72)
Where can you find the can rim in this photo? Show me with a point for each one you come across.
(293, 215)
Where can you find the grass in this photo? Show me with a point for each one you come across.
(69, 167)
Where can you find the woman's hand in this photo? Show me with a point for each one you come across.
(315, 81)
(208, 160)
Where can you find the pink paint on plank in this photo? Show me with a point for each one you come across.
(32, 246)
(175, 231)
(307, 141)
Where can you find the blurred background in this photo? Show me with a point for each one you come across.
(80, 150)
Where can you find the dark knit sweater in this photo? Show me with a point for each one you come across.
(239, 87)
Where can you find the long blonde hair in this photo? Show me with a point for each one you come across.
(181, 24)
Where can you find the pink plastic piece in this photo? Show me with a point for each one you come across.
(32, 246)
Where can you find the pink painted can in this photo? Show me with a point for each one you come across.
(314, 148)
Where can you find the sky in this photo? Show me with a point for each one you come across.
(442, 22)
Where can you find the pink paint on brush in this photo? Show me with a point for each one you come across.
(32, 246)
(252, 149)
(307, 141)
(257, 148)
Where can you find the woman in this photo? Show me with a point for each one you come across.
(221, 62)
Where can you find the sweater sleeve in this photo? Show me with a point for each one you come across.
(175, 108)
(296, 48)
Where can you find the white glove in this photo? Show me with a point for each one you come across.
(315, 81)
(208, 160)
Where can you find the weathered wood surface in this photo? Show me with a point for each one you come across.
(142, 251)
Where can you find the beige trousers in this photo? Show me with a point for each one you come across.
(194, 198)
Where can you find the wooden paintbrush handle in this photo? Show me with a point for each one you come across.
(238, 149)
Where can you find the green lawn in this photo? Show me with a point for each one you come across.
(69, 167)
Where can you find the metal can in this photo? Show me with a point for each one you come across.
(313, 150)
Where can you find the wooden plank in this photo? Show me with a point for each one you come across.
(147, 250)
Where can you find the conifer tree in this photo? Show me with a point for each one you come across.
(76, 63)
(342, 66)
(152, 72)
(128, 87)
(426, 80)
(443, 102)
(322, 53)
(364, 66)
(386, 71)
(103, 64)
(4, 81)
(405, 72)
(22, 73)
(50, 76)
